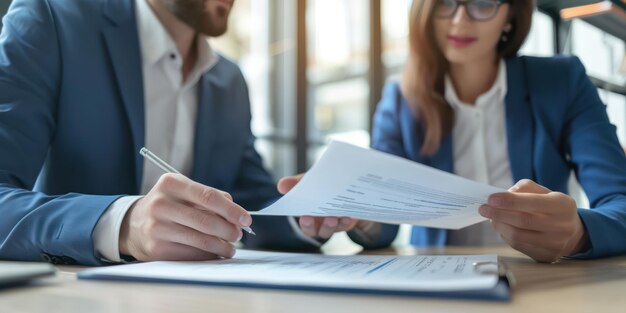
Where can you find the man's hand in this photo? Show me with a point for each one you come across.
(320, 227)
(180, 219)
(536, 221)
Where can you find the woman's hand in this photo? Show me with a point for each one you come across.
(536, 221)
(319, 227)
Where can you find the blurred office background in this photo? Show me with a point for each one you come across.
(316, 68)
(347, 50)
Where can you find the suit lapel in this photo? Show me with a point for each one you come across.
(122, 44)
(519, 121)
(206, 125)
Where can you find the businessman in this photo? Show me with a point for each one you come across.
(83, 86)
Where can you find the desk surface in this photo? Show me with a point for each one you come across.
(567, 286)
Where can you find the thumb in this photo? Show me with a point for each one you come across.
(529, 186)
(287, 183)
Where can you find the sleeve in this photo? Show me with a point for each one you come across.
(34, 225)
(599, 163)
(106, 235)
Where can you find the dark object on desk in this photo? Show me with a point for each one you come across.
(19, 273)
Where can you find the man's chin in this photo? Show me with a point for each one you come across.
(213, 31)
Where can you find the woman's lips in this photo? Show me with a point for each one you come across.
(461, 41)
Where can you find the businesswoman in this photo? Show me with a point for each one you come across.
(468, 104)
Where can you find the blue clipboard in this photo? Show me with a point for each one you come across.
(500, 292)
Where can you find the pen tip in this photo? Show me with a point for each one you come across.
(249, 230)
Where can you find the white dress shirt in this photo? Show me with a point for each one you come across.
(170, 116)
(480, 149)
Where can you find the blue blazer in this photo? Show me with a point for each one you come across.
(555, 124)
(72, 123)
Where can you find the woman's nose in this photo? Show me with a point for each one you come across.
(460, 15)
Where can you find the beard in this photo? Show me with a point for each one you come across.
(199, 15)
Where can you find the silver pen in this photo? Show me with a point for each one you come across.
(169, 169)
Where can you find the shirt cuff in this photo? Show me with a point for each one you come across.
(300, 234)
(106, 235)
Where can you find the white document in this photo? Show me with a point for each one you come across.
(358, 272)
(349, 181)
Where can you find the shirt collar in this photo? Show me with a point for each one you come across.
(497, 91)
(207, 58)
(156, 42)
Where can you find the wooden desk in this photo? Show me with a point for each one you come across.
(568, 286)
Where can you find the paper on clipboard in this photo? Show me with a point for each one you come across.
(404, 275)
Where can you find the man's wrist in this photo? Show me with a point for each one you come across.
(365, 226)
(365, 233)
(125, 233)
(106, 234)
(580, 242)
(294, 222)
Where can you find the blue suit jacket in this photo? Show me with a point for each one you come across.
(555, 123)
(72, 123)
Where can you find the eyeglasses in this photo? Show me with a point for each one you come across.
(478, 10)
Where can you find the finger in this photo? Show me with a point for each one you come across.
(309, 225)
(528, 237)
(227, 195)
(169, 251)
(528, 202)
(529, 186)
(328, 227)
(192, 238)
(205, 222)
(204, 197)
(214, 201)
(346, 224)
(519, 219)
(287, 183)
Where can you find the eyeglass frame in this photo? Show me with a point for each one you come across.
(464, 3)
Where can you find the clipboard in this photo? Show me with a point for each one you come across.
(506, 282)
(501, 291)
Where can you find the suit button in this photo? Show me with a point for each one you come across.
(68, 261)
(55, 259)
(46, 257)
